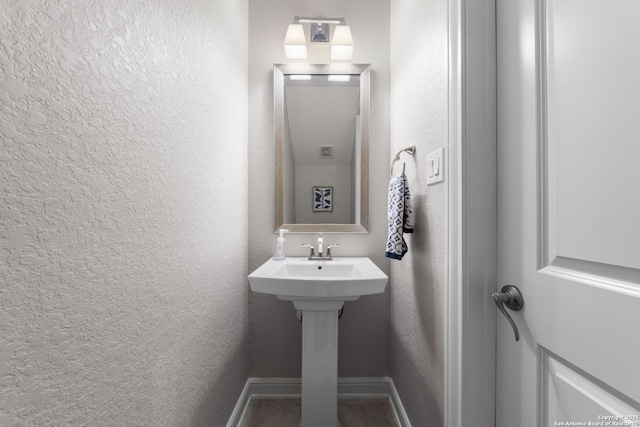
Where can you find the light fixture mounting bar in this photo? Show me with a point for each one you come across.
(318, 20)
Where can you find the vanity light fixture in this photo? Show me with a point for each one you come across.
(295, 43)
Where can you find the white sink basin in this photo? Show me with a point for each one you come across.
(340, 279)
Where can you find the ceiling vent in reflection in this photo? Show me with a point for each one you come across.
(326, 151)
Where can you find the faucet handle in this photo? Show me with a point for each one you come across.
(329, 249)
(312, 254)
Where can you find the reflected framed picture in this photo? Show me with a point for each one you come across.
(323, 199)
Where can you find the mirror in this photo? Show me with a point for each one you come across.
(321, 126)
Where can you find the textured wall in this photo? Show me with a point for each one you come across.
(123, 128)
(364, 328)
(419, 116)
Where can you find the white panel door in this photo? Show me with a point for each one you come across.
(569, 211)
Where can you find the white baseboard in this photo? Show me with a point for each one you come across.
(347, 388)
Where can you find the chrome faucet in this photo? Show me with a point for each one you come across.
(321, 255)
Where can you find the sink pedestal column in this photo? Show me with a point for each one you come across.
(319, 362)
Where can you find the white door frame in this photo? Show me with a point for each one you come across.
(471, 318)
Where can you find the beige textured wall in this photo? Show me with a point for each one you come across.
(419, 116)
(364, 328)
(123, 189)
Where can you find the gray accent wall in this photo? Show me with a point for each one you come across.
(364, 327)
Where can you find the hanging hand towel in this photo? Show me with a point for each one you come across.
(400, 217)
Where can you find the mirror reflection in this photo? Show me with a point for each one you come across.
(320, 142)
(321, 184)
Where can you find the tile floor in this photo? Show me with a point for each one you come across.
(375, 412)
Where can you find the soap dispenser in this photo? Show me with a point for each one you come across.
(279, 255)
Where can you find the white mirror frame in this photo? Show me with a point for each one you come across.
(279, 71)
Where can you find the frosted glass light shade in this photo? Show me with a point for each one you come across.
(295, 45)
(342, 43)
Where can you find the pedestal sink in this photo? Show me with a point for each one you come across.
(319, 289)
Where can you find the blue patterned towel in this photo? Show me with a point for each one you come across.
(400, 217)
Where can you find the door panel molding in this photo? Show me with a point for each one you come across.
(605, 276)
(555, 255)
(542, 136)
(563, 382)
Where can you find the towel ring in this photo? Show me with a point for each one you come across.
(409, 150)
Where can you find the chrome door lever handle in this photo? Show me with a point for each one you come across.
(512, 298)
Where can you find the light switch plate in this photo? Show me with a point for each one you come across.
(435, 167)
